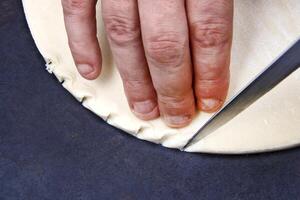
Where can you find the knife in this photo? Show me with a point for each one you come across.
(286, 64)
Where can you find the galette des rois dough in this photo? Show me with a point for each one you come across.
(263, 30)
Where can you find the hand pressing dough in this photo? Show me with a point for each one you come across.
(263, 30)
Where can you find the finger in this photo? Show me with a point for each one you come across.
(210, 23)
(165, 38)
(122, 26)
(80, 22)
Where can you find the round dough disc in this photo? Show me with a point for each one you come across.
(262, 31)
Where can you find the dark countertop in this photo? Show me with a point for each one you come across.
(53, 148)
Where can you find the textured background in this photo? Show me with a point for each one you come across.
(52, 148)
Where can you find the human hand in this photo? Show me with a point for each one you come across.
(173, 55)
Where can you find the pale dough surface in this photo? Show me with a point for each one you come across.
(263, 30)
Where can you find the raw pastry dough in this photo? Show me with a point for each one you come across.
(263, 30)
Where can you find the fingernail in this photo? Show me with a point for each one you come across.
(210, 105)
(85, 69)
(144, 107)
(177, 121)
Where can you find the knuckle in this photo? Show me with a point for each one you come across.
(172, 101)
(73, 7)
(121, 30)
(134, 85)
(138, 86)
(166, 49)
(205, 88)
(177, 104)
(214, 74)
(211, 33)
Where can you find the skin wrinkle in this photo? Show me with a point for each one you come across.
(122, 30)
(76, 7)
(165, 49)
(210, 33)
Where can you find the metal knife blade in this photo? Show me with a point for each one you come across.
(264, 82)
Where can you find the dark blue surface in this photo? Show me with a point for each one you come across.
(52, 148)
